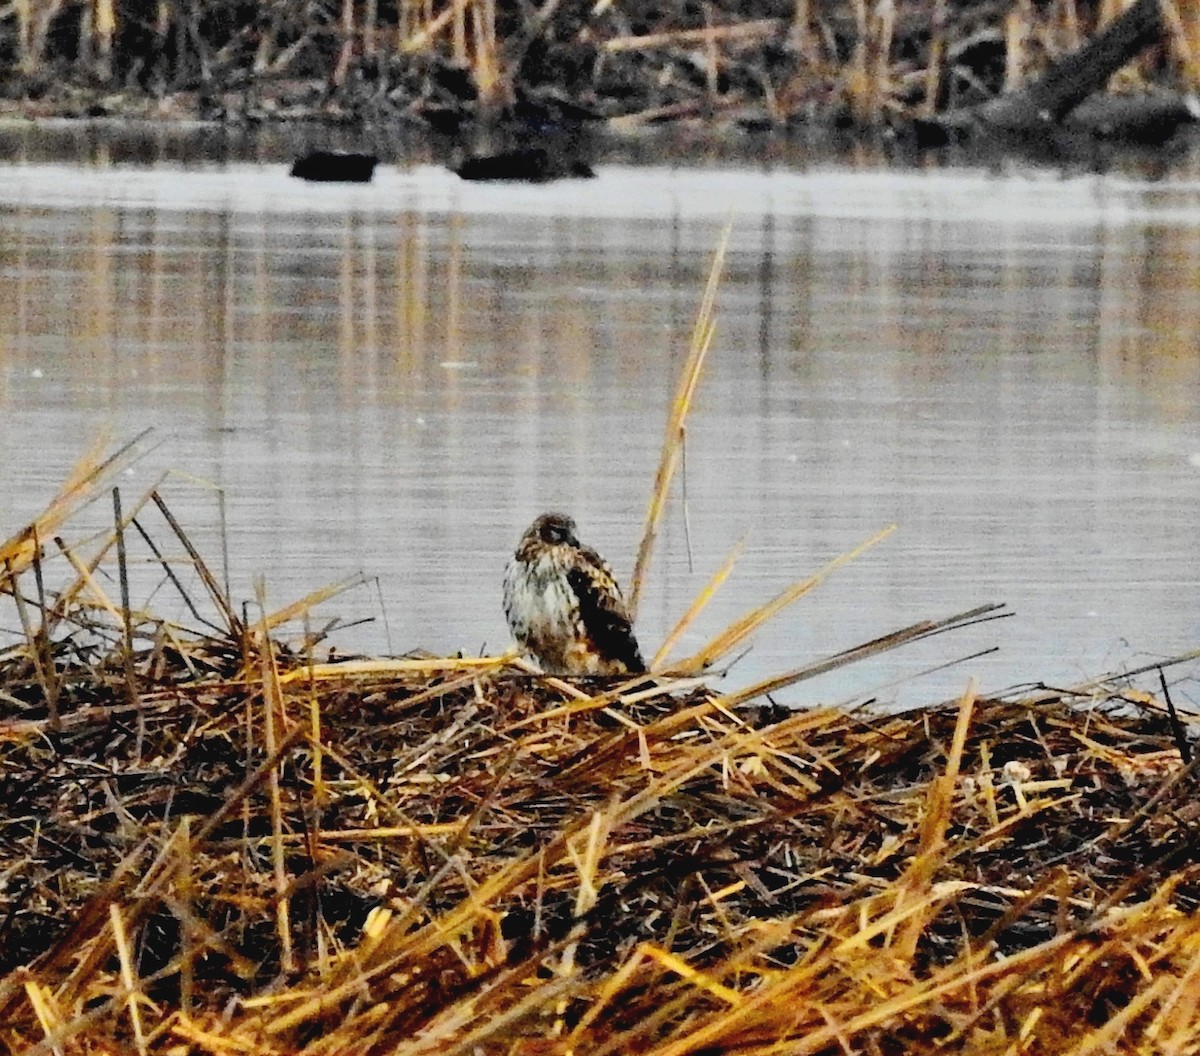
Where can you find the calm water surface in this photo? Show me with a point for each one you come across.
(396, 378)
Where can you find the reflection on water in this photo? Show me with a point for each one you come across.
(396, 378)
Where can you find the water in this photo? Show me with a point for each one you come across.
(396, 378)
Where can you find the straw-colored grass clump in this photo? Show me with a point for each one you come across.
(211, 843)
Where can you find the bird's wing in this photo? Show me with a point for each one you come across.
(602, 610)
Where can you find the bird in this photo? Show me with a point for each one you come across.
(564, 606)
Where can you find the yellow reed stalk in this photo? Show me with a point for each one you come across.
(702, 335)
(273, 710)
(741, 629)
(320, 795)
(486, 68)
(855, 75)
(613, 985)
(1179, 1010)
(912, 633)
(685, 971)
(185, 885)
(128, 977)
(885, 13)
(1184, 37)
(698, 605)
(83, 472)
(576, 707)
(440, 689)
(865, 931)
(46, 1010)
(381, 833)
(393, 668)
(589, 889)
(519, 663)
(24, 13)
(666, 685)
(581, 702)
(219, 1044)
(934, 71)
(67, 596)
(346, 52)
(36, 642)
(433, 26)
(918, 879)
(104, 25)
(459, 36)
(372, 791)
(1073, 38)
(765, 686)
(445, 1036)
(371, 28)
(100, 950)
(83, 485)
(90, 584)
(317, 597)
(741, 32)
(1105, 1038)
(1016, 37)
(19, 550)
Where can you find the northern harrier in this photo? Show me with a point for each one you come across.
(564, 606)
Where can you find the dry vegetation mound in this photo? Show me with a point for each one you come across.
(209, 842)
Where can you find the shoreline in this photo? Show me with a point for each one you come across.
(474, 72)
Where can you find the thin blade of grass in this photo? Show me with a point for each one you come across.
(317, 597)
(128, 976)
(274, 719)
(917, 882)
(232, 620)
(741, 629)
(669, 457)
(913, 633)
(170, 573)
(83, 485)
(698, 605)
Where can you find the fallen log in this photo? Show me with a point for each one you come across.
(1053, 95)
(1049, 102)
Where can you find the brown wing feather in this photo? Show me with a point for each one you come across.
(602, 611)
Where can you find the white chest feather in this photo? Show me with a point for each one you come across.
(538, 601)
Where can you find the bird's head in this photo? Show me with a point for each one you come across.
(554, 528)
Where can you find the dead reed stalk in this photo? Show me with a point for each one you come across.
(669, 458)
